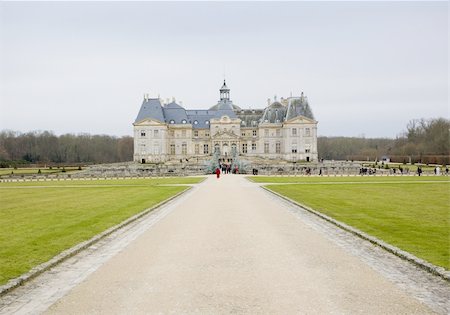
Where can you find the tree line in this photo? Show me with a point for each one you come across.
(38, 147)
(424, 140)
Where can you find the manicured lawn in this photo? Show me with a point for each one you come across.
(346, 179)
(40, 219)
(411, 214)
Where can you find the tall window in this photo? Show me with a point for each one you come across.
(197, 148)
(278, 132)
(294, 131)
(205, 149)
(278, 147)
(142, 133)
(183, 133)
(172, 133)
(195, 133)
(244, 148)
(206, 133)
(266, 132)
(254, 133)
(307, 132)
(184, 148)
(243, 133)
(253, 146)
(266, 147)
(172, 149)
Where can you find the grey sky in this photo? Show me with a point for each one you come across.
(367, 67)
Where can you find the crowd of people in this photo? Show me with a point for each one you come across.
(226, 169)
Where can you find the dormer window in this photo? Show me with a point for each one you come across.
(172, 121)
(183, 121)
(195, 122)
(207, 122)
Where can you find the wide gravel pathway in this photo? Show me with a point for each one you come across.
(231, 247)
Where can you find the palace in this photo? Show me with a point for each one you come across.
(284, 130)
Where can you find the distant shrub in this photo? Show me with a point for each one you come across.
(63, 170)
(79, 168)
(39, 171)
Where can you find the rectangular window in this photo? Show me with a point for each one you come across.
(294, 148)
(294, 131)
(307, 150)
(206, 133)
(266, 147)
(172, 149)
(155, 133)
(278, 147)
(142, 133)
(244, 148)
(254, 133)
(243, 133)
(253, 146)
(195, 133)
(143, 151)
(197, 149)
(278, 132)
(183, 133)
(266, 132)
(307, 132)
(184, 149)
(205, 149)
(172, 133)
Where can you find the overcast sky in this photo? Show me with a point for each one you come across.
(366, 67)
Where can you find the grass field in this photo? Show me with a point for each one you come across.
(412, 213)
(40, 219)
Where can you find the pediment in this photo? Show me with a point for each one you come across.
(301, 120)
(225, 135)
(149, 122)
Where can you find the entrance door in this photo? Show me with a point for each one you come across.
(225, 149)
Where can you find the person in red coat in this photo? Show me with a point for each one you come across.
(217, 172)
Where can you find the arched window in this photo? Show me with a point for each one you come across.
(195, 122)
(207, 122)
(183, 121)
(172, 121)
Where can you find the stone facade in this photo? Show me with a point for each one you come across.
(284, 130)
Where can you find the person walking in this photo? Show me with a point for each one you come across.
(218, 172)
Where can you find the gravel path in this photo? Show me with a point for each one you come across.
(227, 246)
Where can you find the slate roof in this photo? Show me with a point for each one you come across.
(299, 107)
(200, 119)
(203, 117)
(150, 108)
(275, 113)
(174, 112)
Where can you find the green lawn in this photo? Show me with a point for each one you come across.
(346, 179)
(410, 213)
(40, 219)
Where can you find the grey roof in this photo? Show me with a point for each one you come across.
(299, 107)
(225, 105)
(275, 113)
(174, 112)
(150, 108)
(203, 118)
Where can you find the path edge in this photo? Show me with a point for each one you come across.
(433, 269)
(64, 255)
